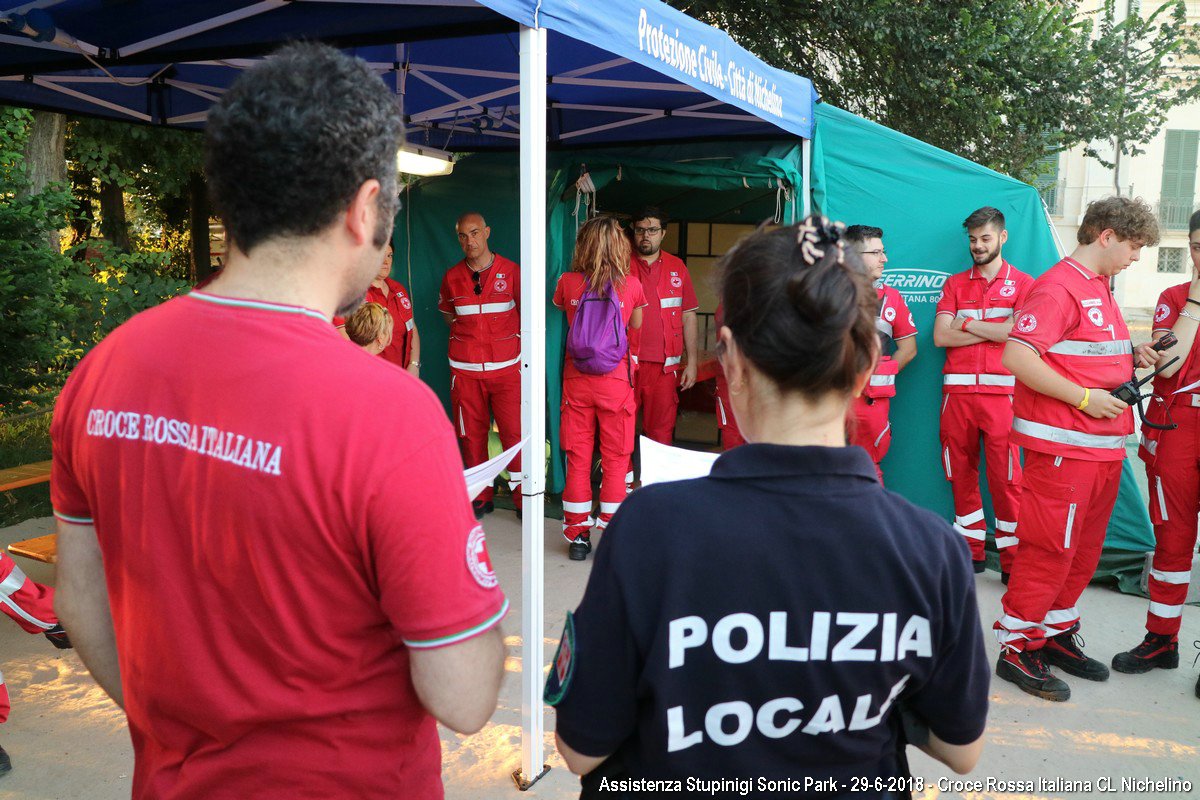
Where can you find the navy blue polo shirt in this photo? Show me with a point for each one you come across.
(766, 622)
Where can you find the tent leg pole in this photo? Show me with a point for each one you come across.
(806, 177)
(533, 398)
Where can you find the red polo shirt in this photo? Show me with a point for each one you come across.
(653, 346)
(977, 368)
(1072, 321)
(267, 574)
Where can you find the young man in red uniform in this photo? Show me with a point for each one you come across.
(669, 329)
(30, 605)
(1172, 459)
(285, 619)
(481, 302)
(405, 349)
(974, 316)
(1068, 348)
(871, 429)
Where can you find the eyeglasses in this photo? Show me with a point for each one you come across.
(475, 277)
(647, 231)
(879, 252)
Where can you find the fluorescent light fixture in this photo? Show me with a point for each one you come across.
(415, 159)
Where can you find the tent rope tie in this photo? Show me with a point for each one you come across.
(782, 197)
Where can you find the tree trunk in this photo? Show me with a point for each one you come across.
(198, 215)
(113, 225)
(45, 162)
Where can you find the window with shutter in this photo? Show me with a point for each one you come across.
(1170, 259)
(1179, 179)
(1046, 182)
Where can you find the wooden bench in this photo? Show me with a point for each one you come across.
(27, 475)
(43, 548)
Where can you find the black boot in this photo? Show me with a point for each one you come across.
(1028, 670)
(1065, 651)
(1156, 650)
(58, 637)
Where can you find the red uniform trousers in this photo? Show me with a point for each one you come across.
(474, 399)
(30, 604)
(965, 418)
(657, 395)
(870, 428)
(1174, 504)
(1066, 506)
(731, 435)
(588, 402)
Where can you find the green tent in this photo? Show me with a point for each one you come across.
(861, 173)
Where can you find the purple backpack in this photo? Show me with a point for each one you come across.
(596, 340)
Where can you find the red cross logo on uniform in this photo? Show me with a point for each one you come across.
(404, 301)
(478, 561)
(1096, 316)
(499, 285)
(676, 281)
(1027, 323)
(1162, 312)
(1008, 291)
(889, 314)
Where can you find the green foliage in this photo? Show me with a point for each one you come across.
(998, 81)
(57, 306)
(33, 281)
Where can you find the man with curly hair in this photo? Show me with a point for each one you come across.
(1068, 347)
(286, 619)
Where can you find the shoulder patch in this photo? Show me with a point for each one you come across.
(1162, 313)
(478, 561)
(562, 668)
(1027, 323)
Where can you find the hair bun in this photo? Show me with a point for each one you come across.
(822, 251)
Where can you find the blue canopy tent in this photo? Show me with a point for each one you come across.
(470, 76)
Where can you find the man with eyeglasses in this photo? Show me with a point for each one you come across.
(669, 328)
(974, 316)
(481, 301)
(872, 430)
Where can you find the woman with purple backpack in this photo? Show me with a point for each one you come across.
(603, 304)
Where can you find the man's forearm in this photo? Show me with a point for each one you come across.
(1024, 363)
(690, 334)
(992, 331)
(81, 602)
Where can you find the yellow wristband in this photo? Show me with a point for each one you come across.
(1087, 395)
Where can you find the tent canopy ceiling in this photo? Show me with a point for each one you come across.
(619, 72)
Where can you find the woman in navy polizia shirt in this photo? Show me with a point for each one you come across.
(756, 632)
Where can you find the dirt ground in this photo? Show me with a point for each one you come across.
(67, 740)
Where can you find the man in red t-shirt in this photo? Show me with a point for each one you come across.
(480, 300)
(668, 354)
(296, 583)
(871, 427)
(1068, 347)
(974, 316)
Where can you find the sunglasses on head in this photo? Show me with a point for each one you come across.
(475, 277)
